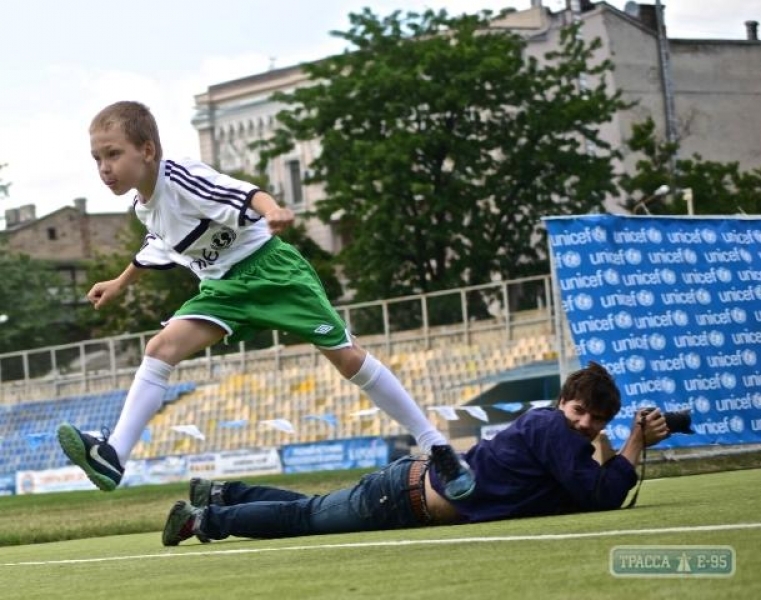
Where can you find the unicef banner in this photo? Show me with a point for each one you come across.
(671, 307)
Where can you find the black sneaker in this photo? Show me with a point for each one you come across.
(183, 522)
(203, 492)
(454, 472)
(96, 457)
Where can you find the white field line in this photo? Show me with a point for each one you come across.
(467, 540)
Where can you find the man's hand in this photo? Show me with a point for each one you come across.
(104, 291)
(654, 425)
(649, 428)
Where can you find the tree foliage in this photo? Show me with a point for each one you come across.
(32, 310)
(443, 145)
(717, 188)
(33, 314)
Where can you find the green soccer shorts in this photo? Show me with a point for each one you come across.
(273, 289)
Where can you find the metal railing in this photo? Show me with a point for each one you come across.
(504, 308)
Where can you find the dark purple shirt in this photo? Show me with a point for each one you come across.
(540, 466)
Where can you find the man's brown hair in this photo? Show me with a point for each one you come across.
(136, 122)
(595, 389)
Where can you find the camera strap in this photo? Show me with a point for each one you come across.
(642, 470)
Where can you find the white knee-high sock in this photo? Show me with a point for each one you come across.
(388, 394)
(143, 401)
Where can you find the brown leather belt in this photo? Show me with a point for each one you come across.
(417, 491)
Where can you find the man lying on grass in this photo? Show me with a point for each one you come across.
(541, 465)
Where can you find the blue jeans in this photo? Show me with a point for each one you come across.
(381, 500)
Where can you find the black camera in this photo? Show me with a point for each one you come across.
(677, 422)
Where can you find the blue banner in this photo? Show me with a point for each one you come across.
(7, 485)
(353, 453)
(671, 308)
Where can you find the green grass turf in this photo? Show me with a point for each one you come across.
(508, 559)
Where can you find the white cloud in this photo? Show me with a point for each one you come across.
(47, 149)
(51, 154)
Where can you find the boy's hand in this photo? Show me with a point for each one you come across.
(103, 292)
(279, 218)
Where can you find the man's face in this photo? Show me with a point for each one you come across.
(121, 165)
(580, 419)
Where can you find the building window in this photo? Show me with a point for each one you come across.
(294, 173)
(52, 233)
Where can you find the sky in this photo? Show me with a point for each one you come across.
(61, 62)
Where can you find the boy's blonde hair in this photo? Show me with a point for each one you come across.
(136, 122)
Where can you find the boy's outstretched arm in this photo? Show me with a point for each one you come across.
(278, 217)
(104, 291)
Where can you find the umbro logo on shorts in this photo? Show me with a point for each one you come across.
(323, 329)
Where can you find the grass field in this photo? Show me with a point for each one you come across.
(564, 557)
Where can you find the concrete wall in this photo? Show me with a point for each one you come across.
(718, 95)
(67, 235)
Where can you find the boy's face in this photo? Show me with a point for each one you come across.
(580, 419)
(122, 166)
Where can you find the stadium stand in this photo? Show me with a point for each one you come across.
(27, 430)
(233, 412)
(241, 400)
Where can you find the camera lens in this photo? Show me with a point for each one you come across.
(679, 422)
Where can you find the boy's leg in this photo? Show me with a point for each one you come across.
(144, 400)
(179, 339)
(388, 394)
(377, 381)
(103, 460)
(290, 297)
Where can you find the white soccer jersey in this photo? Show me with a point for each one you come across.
(199, 219)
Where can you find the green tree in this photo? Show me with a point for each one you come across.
(31, 313)
(717, 188)
(443, 144)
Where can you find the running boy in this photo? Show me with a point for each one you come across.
(223, 230)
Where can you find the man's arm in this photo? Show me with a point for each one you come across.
(648, 429)
(567, 456)
(616, 477)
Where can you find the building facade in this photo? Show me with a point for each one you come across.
(65, 238)
(705, 92)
